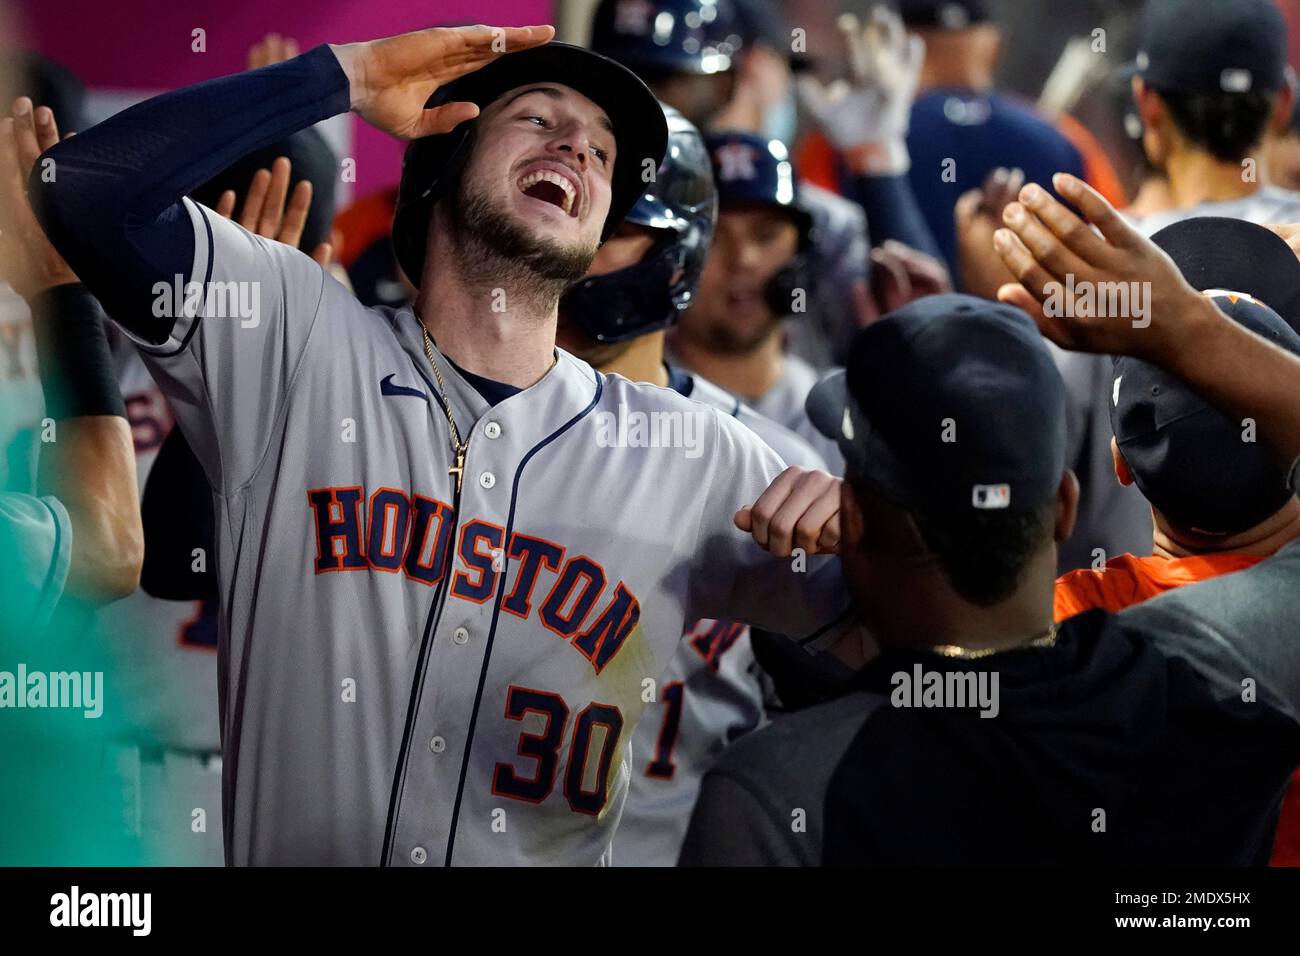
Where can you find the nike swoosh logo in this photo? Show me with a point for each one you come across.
(386, 387)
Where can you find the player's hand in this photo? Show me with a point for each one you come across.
(271, 49)
(866, 116)
(1048, 248)
(27, 260)
(901, 274)
(800, 509)
(391, 79)
(271, 212)
(977, 215)
(761, 84)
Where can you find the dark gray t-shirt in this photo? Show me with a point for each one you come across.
(1234, 641)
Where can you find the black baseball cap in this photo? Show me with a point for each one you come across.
(1189, 460)
(951, 403)
(1217, 253)
(1212, 46)
(942, 14)
(1204, 471)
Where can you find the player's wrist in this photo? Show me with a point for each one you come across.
(352, 59)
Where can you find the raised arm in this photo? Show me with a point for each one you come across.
(866, 118)
(88, 458)
(1051, 251)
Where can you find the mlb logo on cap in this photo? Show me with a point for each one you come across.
(1235, 81)
(991, 497)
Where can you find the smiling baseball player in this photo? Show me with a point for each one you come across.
(448, 565)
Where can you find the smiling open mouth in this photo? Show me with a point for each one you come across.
(549, 187)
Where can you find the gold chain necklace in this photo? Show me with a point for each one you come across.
(967, 653)
(458, 447)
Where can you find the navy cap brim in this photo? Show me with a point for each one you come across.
(834, 413)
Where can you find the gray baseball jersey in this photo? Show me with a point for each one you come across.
(166, 649)
(838, 258)
(783, 404)
(415, 674)
(1268, 204)
(709, 696)
(165, 656)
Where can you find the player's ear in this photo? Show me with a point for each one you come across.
(1067, 506)
(1121, 466)
(1149, 105)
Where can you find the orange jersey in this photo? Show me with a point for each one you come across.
(1129, 580)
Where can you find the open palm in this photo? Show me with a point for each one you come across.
(392, 78)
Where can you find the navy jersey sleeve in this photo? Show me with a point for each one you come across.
(112, 207)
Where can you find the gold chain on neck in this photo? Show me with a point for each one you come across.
(969, 653)
(458, 447)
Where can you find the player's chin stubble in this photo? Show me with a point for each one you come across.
(493, 246)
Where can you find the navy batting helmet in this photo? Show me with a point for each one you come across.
(432, 165)
(668, 36)
(752, 170)
(681, 205)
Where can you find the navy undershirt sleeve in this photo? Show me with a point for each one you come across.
(113, 206)
(892, 211)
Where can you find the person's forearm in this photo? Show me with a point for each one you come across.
(90, 467)
(89, 463)
(113, 208)
(1240, 373)
(892, 211)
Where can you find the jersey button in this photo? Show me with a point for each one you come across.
(460, 635)
(492, 430)
(437, 745)
(419, 855)
(487, 479)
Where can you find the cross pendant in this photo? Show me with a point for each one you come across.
(458, 469)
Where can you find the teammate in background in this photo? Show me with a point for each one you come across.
(615, 318)
(1282, 153)
(1199, 135)
(1150, 186)
(418, 639)
(1240, 373)
(1219, 500)
(755, 278)
(1211, 81)
(728, 67)
(961, 127)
